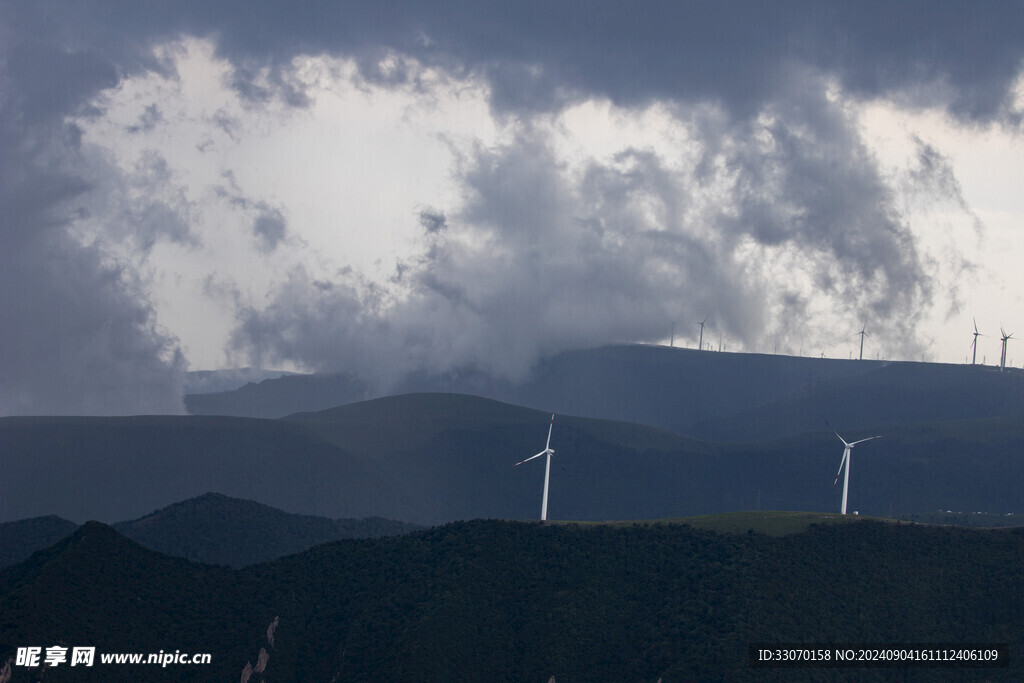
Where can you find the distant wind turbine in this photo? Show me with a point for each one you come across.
(846, 461)
(700, 344)
(974, 344)
(862, 334)
(1002, 358)
(547, 469)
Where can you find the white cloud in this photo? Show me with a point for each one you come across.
(739, 218)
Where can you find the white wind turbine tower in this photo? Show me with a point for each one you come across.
(1002, 358)
(846, 461)
(547, 469)
(862, 334)
(974, 344)
(700, 344)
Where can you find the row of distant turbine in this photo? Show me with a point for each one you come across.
(863, 333)
(548, 451)
(974, 345)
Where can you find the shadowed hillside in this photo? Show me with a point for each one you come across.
(893, 394)
(714, 396)
(664, 387)
(23, 537)
(216, 529)
(120, 468)
(212, 528)
(433, 458)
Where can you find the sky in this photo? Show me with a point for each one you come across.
(392, 187)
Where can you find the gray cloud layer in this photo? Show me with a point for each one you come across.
(567, 261)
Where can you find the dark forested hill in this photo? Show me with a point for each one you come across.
(497, 601)
(216, 529)
(714, 396)
(21, 538)
(211, 528)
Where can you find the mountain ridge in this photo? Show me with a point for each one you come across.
(212, 528)
(418, 458)
(702, 394)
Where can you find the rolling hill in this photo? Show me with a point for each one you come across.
(497, 601)
(434, 458)
(21, 538)
(707, 395)
(216, 529)
(212, 528)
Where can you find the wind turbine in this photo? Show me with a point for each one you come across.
(547, 469)
(974, 344)
(862, 334)
(700, 344)
(846, 461)
(1003, 358)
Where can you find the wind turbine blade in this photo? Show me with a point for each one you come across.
(840, 438)
(863, 440)
(842, 462)
(529, 459)
(547, 446)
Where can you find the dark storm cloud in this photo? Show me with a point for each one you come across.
(432, 220)
(77, 335)
(537, 55)
(151, 117)
(270, 228)
(534, 263)
(269, 225)
(540, 259)
(932, 181)
(807, 180)
(615, 255)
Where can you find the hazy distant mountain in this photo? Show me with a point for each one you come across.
(211, 381)
(432, 458)
(891, 394)
(497, 601)
(212, 528)
(20, 539)
(665, 387)
(216, 529)
(717, 396)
